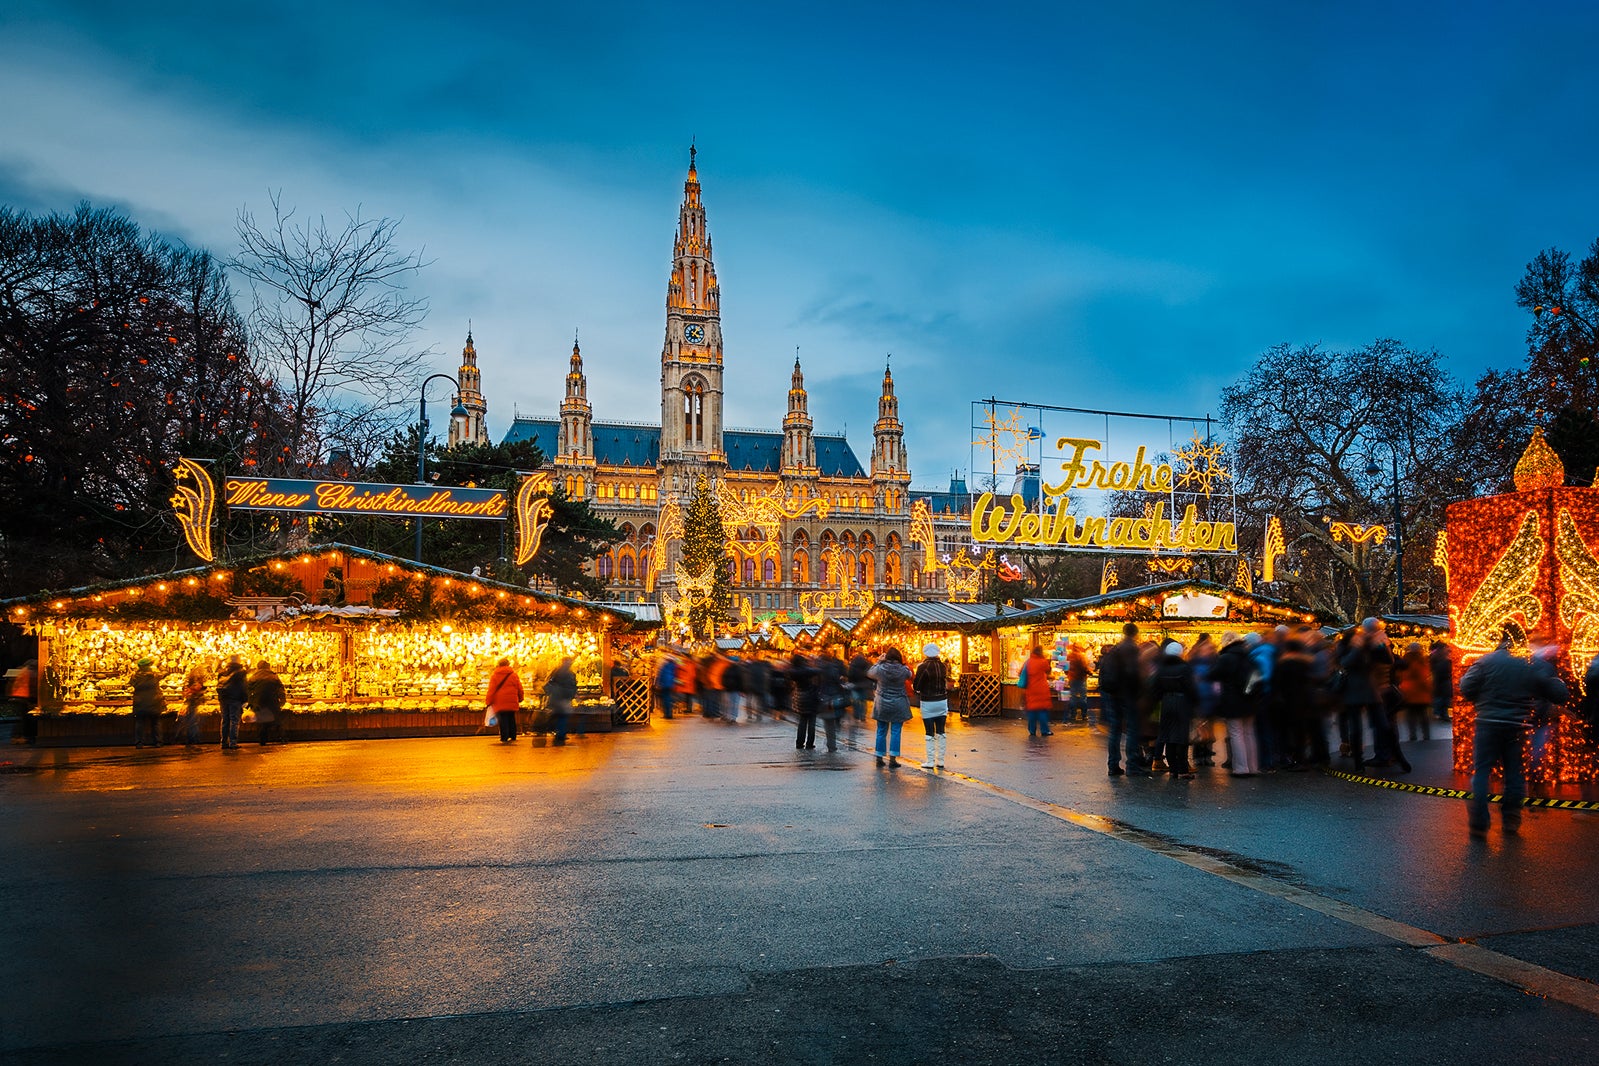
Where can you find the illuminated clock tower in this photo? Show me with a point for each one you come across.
(691, 357)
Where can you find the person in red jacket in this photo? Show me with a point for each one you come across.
(1036, 693)
(503, 697)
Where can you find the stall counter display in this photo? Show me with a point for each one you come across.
(442, 667)
(90, 663)
(910, 647)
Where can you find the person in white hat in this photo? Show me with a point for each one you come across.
(932, 688)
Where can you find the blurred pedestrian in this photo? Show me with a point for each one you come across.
(686, 669)
(1235, 671)
(666, 683)
(1296, 691)
(1367, 663)
(860, 685)
(832, 699)
(267, 699)
(891, 704)
(194, 685)
(1034, 683)
(148, 704)
(803, 697)
(1077, 670)
(932, 688)
(757, 686)
(1443, 680)
(1413, 676)
(1502, 688)
(503, 698)
(232, 692)
(559, 692)
(1202, 657)
(1176, 696)
(25, 700)
(1120, 679)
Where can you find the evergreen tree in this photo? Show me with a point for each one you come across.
(705, 549)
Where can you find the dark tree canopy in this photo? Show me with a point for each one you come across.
(119, 352)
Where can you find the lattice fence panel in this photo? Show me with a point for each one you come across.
(632, 698)
(979, 695)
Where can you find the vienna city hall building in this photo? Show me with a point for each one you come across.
(812, 527)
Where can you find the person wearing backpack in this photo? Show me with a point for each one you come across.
(932, 688)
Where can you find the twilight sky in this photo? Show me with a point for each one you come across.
(1097, 205)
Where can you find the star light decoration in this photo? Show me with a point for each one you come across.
(1201, 465)
(1007, 440)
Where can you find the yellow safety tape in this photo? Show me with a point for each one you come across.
(1455, 793)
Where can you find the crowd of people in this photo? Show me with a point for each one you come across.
(1253, 703)
(1266, 700)
(815, 686)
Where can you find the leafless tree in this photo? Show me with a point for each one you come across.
(333, 319)
(1314, 435)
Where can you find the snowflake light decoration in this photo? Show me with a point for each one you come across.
(1006, 439)
(1201, 465)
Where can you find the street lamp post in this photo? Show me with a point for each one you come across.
(457, 411)
(1373, 470)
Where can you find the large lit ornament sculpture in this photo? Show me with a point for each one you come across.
(1271, 549)
(1524, 563)
(533, 512)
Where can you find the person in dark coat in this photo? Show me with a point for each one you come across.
(803, 698)
(559, 692)
(232, 692)
(1295, 687)
(267, 697)
(1176, 695)
(1120, 681)
(1368, 666)
(1236, 702)
(148, 703)
(860, 685)
(832, 699)
(1443, 680)
(1503, 689)
(757, 686)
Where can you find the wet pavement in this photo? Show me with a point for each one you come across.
(703, 892)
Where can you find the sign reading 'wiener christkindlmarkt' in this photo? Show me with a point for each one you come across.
(355, 497)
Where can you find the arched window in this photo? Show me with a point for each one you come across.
(802, 567)
(603, 568)
(749, 571)
(694, 411)
(891, 570)
(627, 568)
(866, 570)
(769, 571)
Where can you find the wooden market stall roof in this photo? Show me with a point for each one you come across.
(1408, 625)
(837, 630)
(1146, 603)
(309, 566)
(646, 616)
(929, 616)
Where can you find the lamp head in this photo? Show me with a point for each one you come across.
(1372, 469)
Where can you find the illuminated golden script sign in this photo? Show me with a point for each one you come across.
(533, 514)
(353, 497)
(998, 522)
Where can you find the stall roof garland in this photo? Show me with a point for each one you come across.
(197, 583)
(1144, 604)
(923, 615)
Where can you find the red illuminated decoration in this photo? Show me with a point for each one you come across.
(1526, 561)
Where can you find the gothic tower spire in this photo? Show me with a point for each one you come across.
(575, 442)
(691, 356)
(799, 448)
(891, 473)
(473, 430)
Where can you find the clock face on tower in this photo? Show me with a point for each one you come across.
(695, 333)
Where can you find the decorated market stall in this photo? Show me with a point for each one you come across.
(366, 644)
(957, 629)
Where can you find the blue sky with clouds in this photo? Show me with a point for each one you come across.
(1092, 205)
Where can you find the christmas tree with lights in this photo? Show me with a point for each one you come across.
(709, 588)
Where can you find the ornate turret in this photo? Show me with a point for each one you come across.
(799, 449)
(691, 356)
(575, 442)
(891, 473)
(475, 430)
